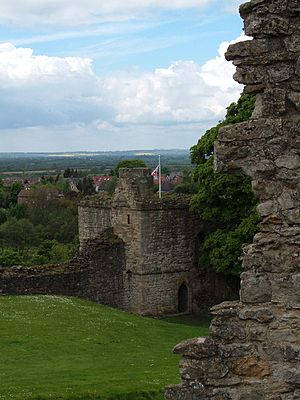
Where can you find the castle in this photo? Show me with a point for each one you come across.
(159, 237)
(137, 252)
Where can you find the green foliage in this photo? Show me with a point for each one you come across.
(51, 252)
(39, 235)
(3, 215)
(18, 234)
(10, 257)
(86, 186)
(66, 348)
(132, 163)
(236, 112)
(17, 211)
(188, 185)
(15, 189)
(71, 173)
(224, 200)
(111, 185)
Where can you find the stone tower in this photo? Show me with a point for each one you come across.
(159, 237)
(253, 351)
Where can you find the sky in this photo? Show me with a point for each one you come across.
(100, 75)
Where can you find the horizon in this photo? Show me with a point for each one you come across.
(78, 152)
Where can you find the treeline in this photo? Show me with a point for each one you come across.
(40, 232)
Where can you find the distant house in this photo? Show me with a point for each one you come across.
(101, 181)
(169, 181)
(39, 197)
(28, 182)
(25, 196)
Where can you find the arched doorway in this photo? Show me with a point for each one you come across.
(183, 299)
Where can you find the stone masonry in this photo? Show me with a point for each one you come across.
(160, 235)
(137, 253)
(253, 350)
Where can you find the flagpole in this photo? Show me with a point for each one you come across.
(159, 177)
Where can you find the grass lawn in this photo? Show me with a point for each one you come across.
(64, 348)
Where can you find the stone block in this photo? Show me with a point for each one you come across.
(259, 314)
(255, 288)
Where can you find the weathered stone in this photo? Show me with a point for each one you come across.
(227, 329)
(199, 369)
(261, 315)
(291, 376)
(251, 367)
(255, 288)
(267, 208)
(252, 396)
(289, 161)
(258, 338)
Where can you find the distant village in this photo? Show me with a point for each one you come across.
(97, 183)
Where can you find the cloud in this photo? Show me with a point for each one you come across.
(185, 92)
(52, 94)
(43, 91)
(74, 12)
(232, 5)
(78, 12)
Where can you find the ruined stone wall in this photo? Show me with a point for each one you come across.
(135, 184)
(157, 293)
(96, 274)
(253, 351)
(168, 238)
(94, 217)
(164, 257)
(210, 288)
(160, 237)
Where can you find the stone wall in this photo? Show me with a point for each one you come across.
(96, 274)
(253, 351)
(210, 288)
(160, 237)
(94, 217)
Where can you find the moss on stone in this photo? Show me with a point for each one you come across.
(99, 200)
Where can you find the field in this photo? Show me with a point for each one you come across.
(64, 348)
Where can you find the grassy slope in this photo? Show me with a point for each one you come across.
(66, 348)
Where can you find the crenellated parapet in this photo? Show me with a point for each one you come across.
(253, 350)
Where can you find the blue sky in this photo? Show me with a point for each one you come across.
(113, 75)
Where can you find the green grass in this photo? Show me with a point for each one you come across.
(65, 348)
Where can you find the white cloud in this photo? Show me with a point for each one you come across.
(42, 93)
(184, 92)
(217, 72)
(73, 12)
(232, 5)
(78, 12)
(19, 64)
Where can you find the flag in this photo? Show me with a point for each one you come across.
(155, 172)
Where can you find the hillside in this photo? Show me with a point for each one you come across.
(64, 348)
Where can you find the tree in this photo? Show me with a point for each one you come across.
(132, 163)
(19, 234)
(224, 200)
(188, 184)
(86, 186)
(15, 189)
(3, 215)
